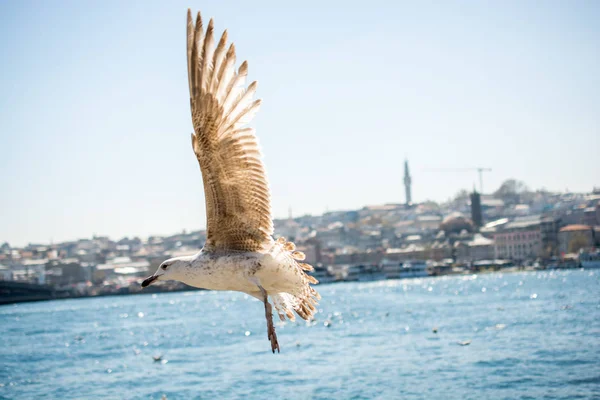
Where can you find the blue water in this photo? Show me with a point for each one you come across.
(533, 335)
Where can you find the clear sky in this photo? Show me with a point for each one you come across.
(95, 122)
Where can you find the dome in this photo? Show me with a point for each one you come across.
(456, 223)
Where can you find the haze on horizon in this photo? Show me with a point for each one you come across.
(95, 121)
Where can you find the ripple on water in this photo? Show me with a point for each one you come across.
(521, 346)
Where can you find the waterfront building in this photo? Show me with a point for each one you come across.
(520, 239)
(583, 234)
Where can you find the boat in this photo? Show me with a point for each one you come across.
(567, 261)
(353, 272)
(371, 272)
(322, 274)
(589, 260)
(414, 269)
(406, 269)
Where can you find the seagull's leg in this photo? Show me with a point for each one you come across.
(269, 314)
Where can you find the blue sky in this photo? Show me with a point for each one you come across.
(95, 124)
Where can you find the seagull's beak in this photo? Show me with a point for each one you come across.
(148, 281)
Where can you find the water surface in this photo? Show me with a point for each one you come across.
(532, 335)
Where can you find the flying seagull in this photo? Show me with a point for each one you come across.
(240, 253)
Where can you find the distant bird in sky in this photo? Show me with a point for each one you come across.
(240, 253)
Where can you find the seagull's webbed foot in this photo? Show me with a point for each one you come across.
(271, 335)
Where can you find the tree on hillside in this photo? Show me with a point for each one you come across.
(511, 190)
(460, 199)
(430, 204)
(578, 241)
(461, 195)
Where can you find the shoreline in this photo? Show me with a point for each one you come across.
(126, 291)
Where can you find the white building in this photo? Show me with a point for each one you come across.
(5, 273)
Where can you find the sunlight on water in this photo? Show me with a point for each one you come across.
(474, 336)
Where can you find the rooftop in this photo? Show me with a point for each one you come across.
(408, 249)
(433, 218)
(480, 240)
(575, 227)
(524, 222)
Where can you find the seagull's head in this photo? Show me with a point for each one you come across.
(169, 270)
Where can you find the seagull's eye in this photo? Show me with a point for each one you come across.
(164, 266)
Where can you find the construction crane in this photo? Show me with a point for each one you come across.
(480, 171)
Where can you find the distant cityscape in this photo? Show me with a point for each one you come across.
(513, 228)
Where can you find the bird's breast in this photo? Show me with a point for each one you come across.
(224, 272)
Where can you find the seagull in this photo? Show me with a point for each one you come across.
(240, 253)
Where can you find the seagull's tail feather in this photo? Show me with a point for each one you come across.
(305, 299)
(286, 303)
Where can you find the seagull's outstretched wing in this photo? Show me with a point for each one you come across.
(238, 209)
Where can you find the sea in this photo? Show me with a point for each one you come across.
(532, 335)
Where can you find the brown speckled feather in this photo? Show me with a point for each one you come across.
(238, 209)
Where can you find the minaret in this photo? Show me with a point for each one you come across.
(407, 182)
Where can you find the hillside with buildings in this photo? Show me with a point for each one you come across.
(512, 227)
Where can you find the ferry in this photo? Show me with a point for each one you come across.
(353, 272)
(406, 269)
(364, 273)
(590, 260)
(321, 273)
(568, 261)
